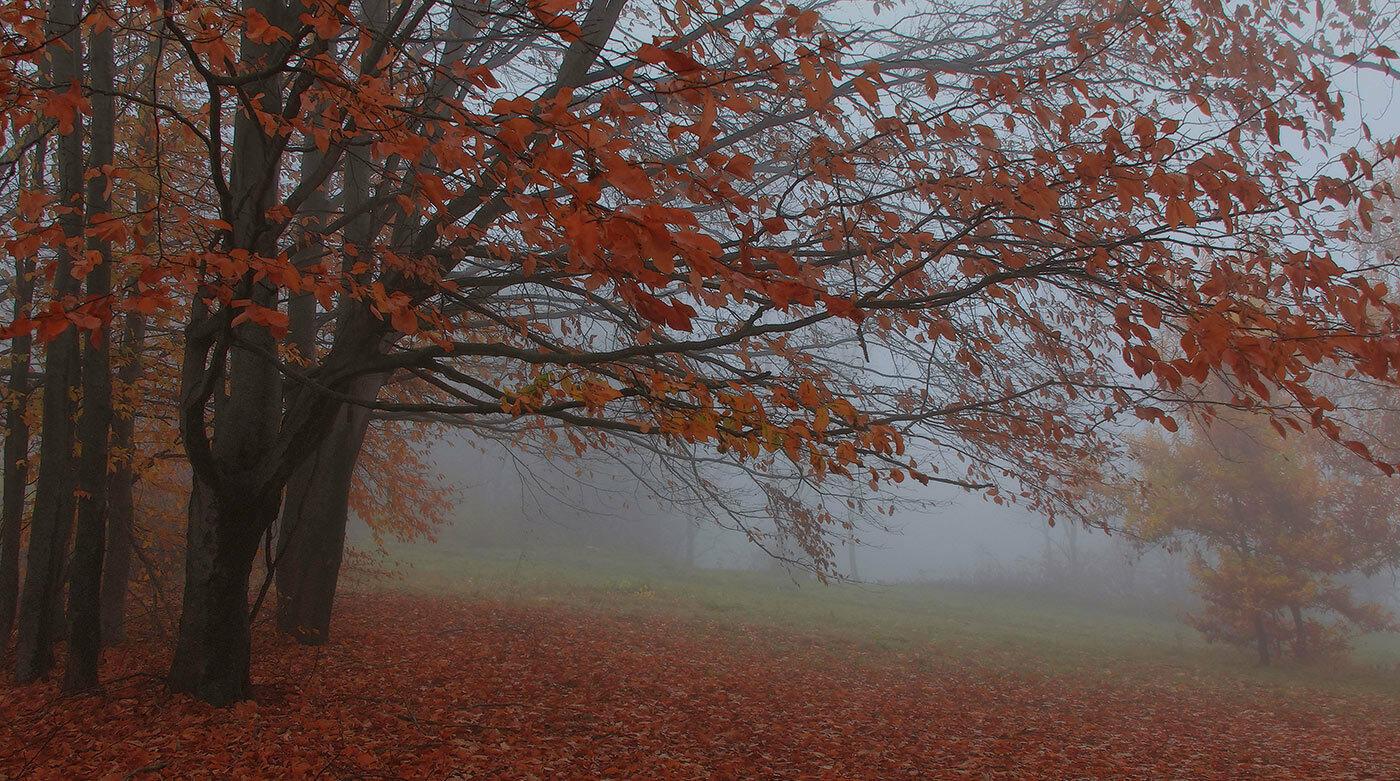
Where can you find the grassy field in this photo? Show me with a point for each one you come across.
(1041, 633)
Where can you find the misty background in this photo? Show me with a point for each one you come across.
(512, 502)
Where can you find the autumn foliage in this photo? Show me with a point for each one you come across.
(1277, 530)
(813, 247)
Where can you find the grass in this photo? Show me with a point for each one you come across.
(1048, 634)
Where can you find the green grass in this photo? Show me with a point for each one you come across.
(1045, 634)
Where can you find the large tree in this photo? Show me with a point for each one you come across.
(815, 244)
(52, 520)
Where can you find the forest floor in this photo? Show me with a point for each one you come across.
(544, 676)
(1026, 628)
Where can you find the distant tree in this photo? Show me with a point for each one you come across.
(1275, 529)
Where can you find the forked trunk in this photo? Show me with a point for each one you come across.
(212, 649)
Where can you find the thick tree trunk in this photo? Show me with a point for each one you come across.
(85, 584)
(16, 474)
(1261, 639)
(53, 494)
(314, 516)
(238, 467)
(212, 650)
(311, 534)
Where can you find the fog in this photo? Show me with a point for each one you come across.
(510, 501)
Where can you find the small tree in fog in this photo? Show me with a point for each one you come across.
(1274, 528)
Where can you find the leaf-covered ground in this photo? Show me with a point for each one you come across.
(419, 687)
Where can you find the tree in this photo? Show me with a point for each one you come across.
(121, 503)
(95, 423)
(16, 468)
(121, 522)
(806, 244)
(311, 537)
(52, 520)
(1273, 527)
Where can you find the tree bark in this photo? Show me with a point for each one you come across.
(311, 535)
(95, 426)
(238, 475)
(53, 494)
(16, 474)
(121, 511)
(121, 505)
(314, 517)
(212, 650)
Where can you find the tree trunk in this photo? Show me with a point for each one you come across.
(116, 563)
(85, 585)
(238, 469)
(121, 510)
(121, 530)
(17, 431)
(85, 567)
(314, 517)
(53, 494)
(1261, 638)
(212, 649)
(1300, 633)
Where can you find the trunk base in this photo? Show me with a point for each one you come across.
(213, 647)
